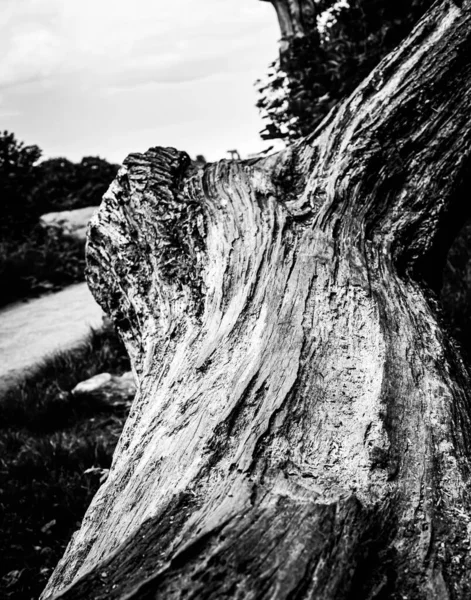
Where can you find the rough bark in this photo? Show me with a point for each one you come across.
(297, 19)
(302, 424)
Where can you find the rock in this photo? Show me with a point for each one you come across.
(113, 389)
(71, 223)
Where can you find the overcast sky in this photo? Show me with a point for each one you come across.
(109, 77)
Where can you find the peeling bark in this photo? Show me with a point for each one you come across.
(302, 425)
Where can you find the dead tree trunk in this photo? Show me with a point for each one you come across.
(302, 426)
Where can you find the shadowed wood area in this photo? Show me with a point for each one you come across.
(302, 425)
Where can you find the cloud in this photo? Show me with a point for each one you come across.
(123, 45)
(32, 55)
(5, 114)
(30, 44)
(106, 76)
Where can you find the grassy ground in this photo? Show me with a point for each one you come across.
(38, 262)
(47, 440)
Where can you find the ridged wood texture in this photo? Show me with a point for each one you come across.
(302, 425)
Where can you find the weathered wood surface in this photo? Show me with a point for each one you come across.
(302, 425)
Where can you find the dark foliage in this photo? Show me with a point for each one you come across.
(48, 439)
(64, 185)
(17, 179)
(317, 70)
(32, 260)
(43, 261)
(29, 189)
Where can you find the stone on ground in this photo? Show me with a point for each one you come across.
(113, 389)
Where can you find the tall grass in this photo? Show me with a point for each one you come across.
(48, 438)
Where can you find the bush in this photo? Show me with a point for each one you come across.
(17, 179)
(64, 185)
(339, 49)
(30, 188)
(32, 260)
(42, 261)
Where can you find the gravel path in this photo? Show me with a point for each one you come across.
(29, 331)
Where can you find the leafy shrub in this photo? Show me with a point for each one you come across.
(39, 262)
(33, 261)
(29, 188)
(340, 48)
(17, 179)
(64, 185)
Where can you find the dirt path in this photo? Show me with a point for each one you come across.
(29, 331)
